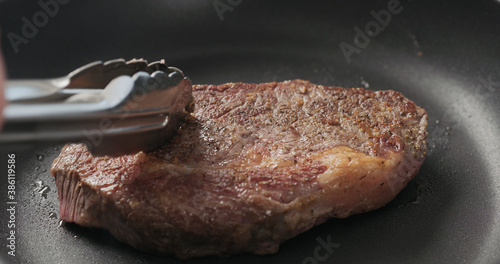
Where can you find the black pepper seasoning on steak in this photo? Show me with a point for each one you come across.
(254, 165)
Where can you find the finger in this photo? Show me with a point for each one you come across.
(2, 86)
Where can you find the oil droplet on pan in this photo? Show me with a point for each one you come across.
(52, 215)
(42, 189)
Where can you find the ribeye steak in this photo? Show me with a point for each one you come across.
(254, 165)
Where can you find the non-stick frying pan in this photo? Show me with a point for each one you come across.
(444, 55)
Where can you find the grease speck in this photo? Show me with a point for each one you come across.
(42, 189)
(52, 215)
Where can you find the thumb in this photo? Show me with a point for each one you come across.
(2, 88)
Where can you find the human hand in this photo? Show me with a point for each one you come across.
(2, 86)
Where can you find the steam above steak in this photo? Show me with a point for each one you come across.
(253, 166)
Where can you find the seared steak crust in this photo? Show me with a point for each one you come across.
(254, 165)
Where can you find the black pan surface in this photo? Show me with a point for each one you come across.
(444, 55)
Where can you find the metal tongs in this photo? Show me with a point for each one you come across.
(114, 107)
